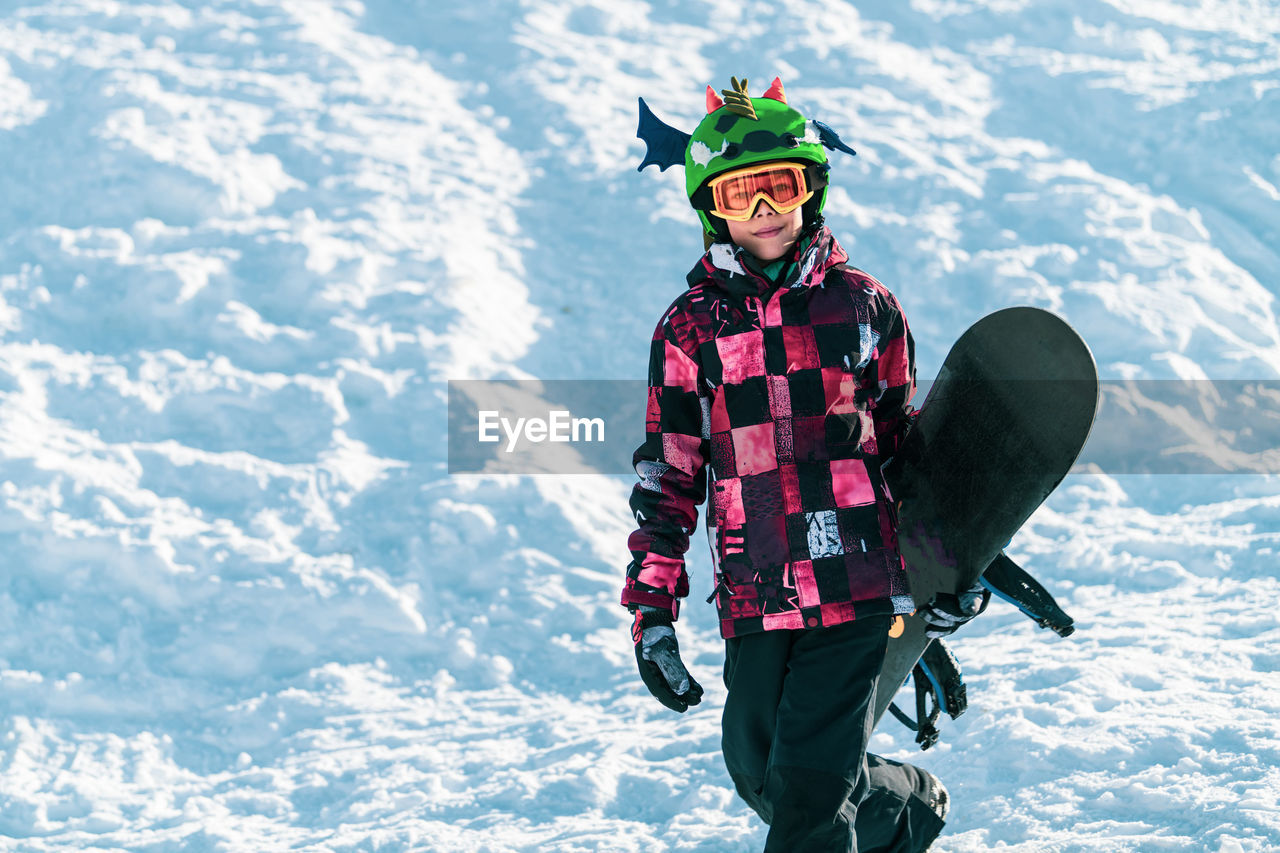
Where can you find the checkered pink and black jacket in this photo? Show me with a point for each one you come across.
(785, 399)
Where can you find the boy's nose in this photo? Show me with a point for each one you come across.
(763, 208)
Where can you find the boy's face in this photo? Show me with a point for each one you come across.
(767, 234)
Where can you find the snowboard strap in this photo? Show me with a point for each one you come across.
(1011, 582)
(936, 674)
(943, 672)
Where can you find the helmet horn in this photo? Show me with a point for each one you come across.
(713, 101)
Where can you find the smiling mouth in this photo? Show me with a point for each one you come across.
(766, 233)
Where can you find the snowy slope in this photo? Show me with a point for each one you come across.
(243, 245)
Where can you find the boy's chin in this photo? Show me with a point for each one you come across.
(768, 256)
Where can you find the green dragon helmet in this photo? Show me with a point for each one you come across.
(740, 131)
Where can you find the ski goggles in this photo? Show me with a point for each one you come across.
(734, 195)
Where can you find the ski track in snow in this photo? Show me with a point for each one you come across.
(242, 245)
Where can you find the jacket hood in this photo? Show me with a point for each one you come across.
(736, 271)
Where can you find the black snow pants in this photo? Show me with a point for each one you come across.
(795, 731)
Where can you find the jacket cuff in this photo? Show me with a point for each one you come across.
(632, 598)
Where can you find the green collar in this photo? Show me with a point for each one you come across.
(776, 271)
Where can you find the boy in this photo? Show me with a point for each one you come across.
(780, 378)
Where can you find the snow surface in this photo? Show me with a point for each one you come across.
(243, 245)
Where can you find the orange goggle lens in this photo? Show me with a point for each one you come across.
(736, 194)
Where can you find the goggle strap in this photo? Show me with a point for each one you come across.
(816, 175)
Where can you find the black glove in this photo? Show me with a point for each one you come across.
(658, 658)
(946, 612)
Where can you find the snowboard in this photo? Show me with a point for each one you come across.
(999, 429)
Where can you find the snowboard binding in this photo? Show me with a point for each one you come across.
(938, 675)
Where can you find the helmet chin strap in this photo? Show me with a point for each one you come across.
(721, 234)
